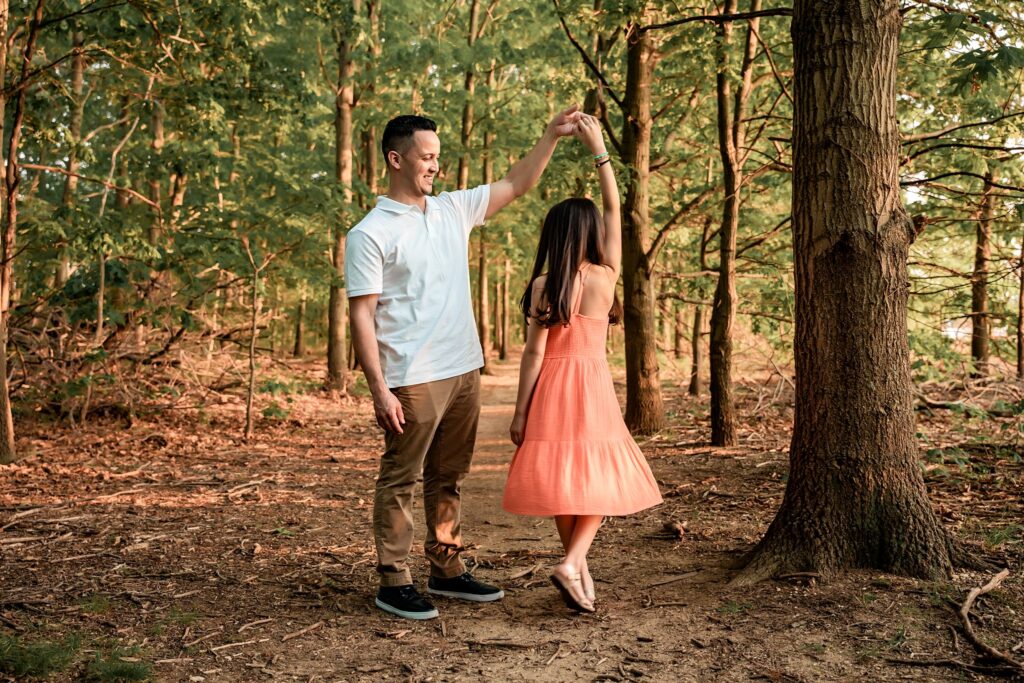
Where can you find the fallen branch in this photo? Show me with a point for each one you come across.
(965, 621)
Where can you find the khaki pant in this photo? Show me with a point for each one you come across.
(437, 446)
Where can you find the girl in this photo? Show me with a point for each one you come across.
(575, 459)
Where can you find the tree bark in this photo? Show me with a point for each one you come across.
(12, 178)
(157, 145)
(1020, 314)
(698, 323)
(337, 355)
(299, 348)
(731, 142)
(696, 347)
(505, 310)
(63, 271)
(645, 411)
(498, 325)
(855, 495)
(254, 329)
(679, 348)
(979, 283)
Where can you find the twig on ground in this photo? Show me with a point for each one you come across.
(206, 637)
(251, 624)
(673, 579)
(526, 572)
(302, 632)
(227, 645)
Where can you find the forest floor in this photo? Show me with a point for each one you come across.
(173, 547)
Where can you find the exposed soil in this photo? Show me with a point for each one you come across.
(221, 560)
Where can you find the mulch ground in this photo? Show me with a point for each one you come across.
(173, 547)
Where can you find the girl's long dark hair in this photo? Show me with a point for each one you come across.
(573, 232)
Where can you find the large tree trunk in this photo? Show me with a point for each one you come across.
(855, 496)
(979, 284)
(731, 142)
(337, 357)
(645, 411)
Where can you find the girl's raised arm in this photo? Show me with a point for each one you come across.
(588, 130)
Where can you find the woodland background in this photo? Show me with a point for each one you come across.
(178, 178)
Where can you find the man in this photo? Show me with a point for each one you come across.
(407, 275)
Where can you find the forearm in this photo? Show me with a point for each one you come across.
(609, 199)
(529, 371)
(364, 341)
(525, 173)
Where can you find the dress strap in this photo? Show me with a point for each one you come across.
(578, 297)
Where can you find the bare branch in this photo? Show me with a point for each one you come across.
(918, 137)
(586, 58)
(722, 18)
(670, 225)
(56, 169)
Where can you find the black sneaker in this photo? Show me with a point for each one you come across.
(464, 587)
(406, 602)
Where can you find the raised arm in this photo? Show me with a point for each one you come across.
(588, 130)
(386, 406)
(525, 173)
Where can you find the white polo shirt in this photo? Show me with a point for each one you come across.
(417, 263)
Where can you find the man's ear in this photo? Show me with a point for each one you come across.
(394, 159)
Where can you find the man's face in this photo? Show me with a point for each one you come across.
(419, 164)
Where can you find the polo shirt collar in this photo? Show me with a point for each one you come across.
(398, 208)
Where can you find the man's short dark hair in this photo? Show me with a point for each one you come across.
(400, 130)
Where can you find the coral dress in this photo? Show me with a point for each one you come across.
(577, 457)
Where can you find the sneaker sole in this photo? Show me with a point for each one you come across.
(472, 597)
(418, 616)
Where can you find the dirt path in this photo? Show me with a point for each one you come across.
(204, 558)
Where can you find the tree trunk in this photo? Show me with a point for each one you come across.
(645, 411)
(63, 271)
(505, 310)
(679, 347)
(299, 349)
(979, 284)
(157, 145)
(12, 178)
(254, 329)
(855, 495)
(7, 452)
(101, 293)
(498, 326)
(483, 322)
(731, 142)
(1020, 315)
(337, 355)
(696, 346)
(698, 325)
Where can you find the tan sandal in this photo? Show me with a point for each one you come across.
(571, 601)
(588, 588)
